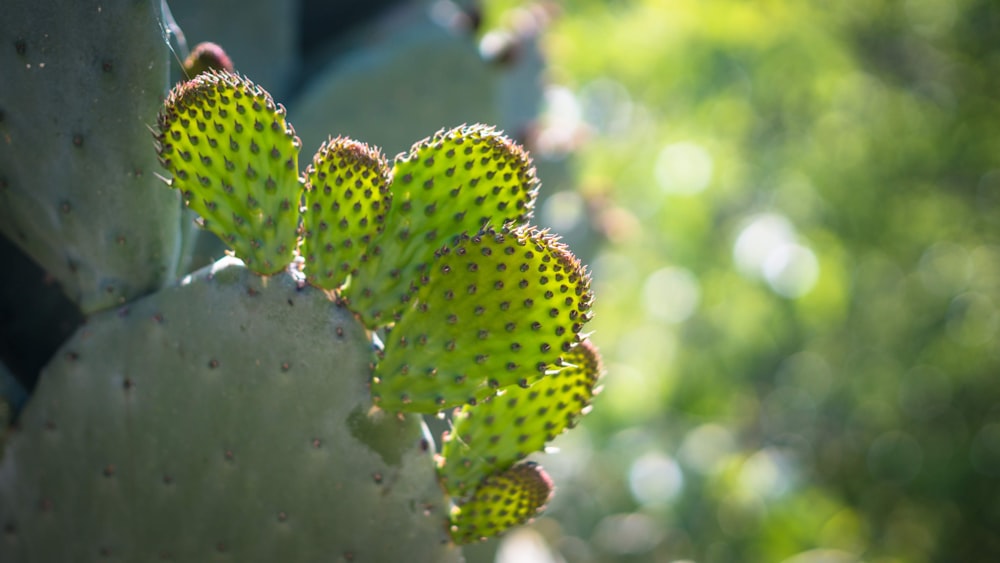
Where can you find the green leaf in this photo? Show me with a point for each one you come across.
(497, 309)
(501, 501)
(450, 184)
(502, 430)
(347, 195)
(235, 160)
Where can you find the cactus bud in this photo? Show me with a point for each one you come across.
(206, 56)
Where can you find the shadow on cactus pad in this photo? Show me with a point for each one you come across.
(434, 255)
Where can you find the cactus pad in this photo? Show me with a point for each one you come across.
(452, 183)
(504, 429)
(235, 160)
(347, 195)
(80, 81)
(501, 501)
(496, 310)
(236, 427)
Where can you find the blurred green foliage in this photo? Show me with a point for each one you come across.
(792, 213)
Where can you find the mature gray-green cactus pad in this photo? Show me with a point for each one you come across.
(81, 81)
(222, 418)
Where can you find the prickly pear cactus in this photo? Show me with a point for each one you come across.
(251, 411)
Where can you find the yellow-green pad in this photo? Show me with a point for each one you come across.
(452, 183)
(496, 310)
(347, 196)
(504, 429)
(235, 160)
(501, 501)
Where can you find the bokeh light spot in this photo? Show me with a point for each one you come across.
(624, 534)
(671, 294)
(563, 211)
(791, 270)
(683, 168)
(525, 545)
(706, 447)
(655, 479)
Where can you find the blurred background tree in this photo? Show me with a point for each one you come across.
(792, 213)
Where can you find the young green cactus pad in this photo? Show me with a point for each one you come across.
(347, 195)
(496, 310)
(237, 427)
(501, 501)
(235, 160)
(454, 182)
(504, 429)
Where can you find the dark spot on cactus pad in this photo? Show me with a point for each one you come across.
(106, 66)
(10, 529)
(377, 477)
(45, 505)
(104, 552)
(128, 384)
(282, 516)
(229, 456)
(72, 356)
(78, 140)
(213, 363)
(316, 443)
(109, 470)
(168, 480)
(20, 47)
(348, 556)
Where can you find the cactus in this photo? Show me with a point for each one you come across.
(249, 409)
